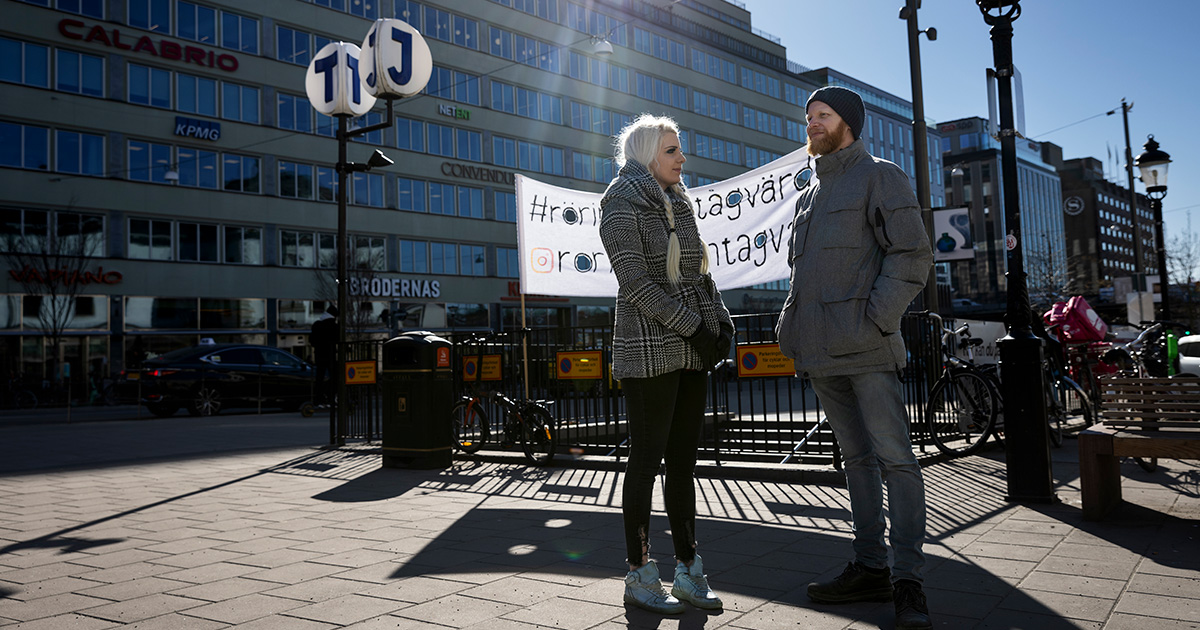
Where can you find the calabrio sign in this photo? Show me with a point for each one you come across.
(111, 37)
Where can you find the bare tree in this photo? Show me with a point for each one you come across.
(360, 314)
(1047, 278)
(51, 255)
(1183, 259)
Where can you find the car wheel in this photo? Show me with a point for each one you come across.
(205, 402)
(162, 411)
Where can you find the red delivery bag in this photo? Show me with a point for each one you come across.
(1076, 321)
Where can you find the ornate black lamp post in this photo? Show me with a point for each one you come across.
(1153, 165)
(1027, 439)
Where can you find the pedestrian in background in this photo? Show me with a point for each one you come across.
(670, 328)
(859, 254)
(324, 340)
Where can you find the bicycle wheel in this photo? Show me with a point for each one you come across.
(1076, 401)
(470, 424)
(960, 413)
(539, 437)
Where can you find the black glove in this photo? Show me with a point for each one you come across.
(705, 343)
(725, 341)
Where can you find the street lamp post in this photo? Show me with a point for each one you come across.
(908, 13)
(1153, 164)
(1027, 438)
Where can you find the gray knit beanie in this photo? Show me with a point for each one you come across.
(847, 103)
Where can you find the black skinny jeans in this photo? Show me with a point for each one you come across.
(666, 415)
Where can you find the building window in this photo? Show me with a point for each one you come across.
(366, 120)
(327, 184)
(441, 198)
(241, 173)
(295, 180)
(506, 206)
(196, 95)
(149, 86)
(195, 22)
(470, 145)
(82, 154)
(79, 73)
(239, 102)
(368, 189)
(411, 194)
(239, 33)
(410, 134)
(243, 245)
(441, 140)
(295, 113)
(151, 15)
(414, 256)
(471, 260)
(149, 161)
(506, 263)
(470, 202)
(198, 242)
(90, 8)
(368, 9)
(149, 240)
(368, 253)
(24, 146)
(197, 168)
(292, 46)
(504, 152)
(443, 258)
(28, 64)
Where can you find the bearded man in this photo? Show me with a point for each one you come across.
(859, 255)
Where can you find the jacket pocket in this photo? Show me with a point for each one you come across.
(848, 328)
(843, 228)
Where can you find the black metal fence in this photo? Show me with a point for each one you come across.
(755, 418)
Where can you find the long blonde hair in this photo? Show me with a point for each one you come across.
(639, 141)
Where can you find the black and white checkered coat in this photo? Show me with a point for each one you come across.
(653, 317)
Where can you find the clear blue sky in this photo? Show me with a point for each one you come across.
(1077, 58)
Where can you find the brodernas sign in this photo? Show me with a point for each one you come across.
(76, 29)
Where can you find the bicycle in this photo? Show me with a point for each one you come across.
(966, 406)
(964, 403)
(527, 422)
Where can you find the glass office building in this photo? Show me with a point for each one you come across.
(172, 143)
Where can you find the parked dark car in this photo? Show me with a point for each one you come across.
(208, 379)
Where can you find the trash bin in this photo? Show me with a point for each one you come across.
(418, 389)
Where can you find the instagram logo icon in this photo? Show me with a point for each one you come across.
(541, 260)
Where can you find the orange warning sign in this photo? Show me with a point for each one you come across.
(491, 368)
(579, 364)
(763, 359)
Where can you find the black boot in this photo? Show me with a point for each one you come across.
(857, 583)
(912, 613)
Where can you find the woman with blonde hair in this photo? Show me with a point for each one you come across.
(671, 327)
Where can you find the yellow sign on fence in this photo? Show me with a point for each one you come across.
(360, 372)
(763, 359)
(491, 368)
(579, 364)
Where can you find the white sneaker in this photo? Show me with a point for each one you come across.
(644, 590)
(691, 586)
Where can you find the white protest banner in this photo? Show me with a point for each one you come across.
(746, 222)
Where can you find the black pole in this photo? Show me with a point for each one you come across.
(1156, 204)
(338, 418)
(1027, 438)
(1138, 263)
(921, 145)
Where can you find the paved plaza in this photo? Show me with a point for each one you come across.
(246, 522)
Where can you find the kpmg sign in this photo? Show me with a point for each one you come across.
(193, 128)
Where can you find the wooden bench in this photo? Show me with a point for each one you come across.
(1139, 417)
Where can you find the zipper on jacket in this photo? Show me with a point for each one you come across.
(882, 225)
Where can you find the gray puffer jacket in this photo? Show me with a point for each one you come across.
(652, 316)
(859, 255)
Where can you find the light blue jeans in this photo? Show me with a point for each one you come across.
(867, 414)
